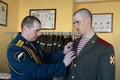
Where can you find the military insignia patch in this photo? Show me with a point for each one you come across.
(112, 59)
(20, 56)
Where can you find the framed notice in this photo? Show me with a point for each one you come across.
(46, 16)
(103, 22)
(3, 13)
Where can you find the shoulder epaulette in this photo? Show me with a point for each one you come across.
(20, 43)
(103, 42)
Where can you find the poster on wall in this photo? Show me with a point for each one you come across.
(3, 13)
(46, 16)
(103, 22)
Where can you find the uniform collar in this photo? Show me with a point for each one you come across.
(86, 48)
(22, 38)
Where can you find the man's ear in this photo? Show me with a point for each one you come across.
(89, 19)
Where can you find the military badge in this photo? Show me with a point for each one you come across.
(20, 56)
(112, 59)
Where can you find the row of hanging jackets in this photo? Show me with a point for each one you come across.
(53, 43)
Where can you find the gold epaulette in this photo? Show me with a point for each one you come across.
(20, 43)
(30, 52)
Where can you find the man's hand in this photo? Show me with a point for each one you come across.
(68, 47)
(69, 58)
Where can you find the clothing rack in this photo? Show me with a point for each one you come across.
(73, 34)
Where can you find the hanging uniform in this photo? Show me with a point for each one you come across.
(60, 43)
(68, 39)
(40, 40)
(55, 44)
(28, 62)
(49, 44)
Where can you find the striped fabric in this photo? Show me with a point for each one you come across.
(82, 43)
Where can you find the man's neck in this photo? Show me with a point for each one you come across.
(23, 35)
(88, 35)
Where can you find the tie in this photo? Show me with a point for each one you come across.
(82, 43)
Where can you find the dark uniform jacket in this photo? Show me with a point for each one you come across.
(95, 62)
(28, 62)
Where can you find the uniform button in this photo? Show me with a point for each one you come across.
(73, 77)
(75, 65)
(93, 41)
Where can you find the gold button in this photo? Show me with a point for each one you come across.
(93, 41)
(73, 77)
(74, 65)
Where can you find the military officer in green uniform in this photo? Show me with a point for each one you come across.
(26, 59)
(95, 57)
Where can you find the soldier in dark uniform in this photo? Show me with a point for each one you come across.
(95, 57)
(26, 59)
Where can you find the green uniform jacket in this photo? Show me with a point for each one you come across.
(95, 62)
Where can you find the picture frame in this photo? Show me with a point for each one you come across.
(3, 13)
(103, 22)
(46, 16)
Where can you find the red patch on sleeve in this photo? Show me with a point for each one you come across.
(103, 42)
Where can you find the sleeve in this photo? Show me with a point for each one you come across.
(50, 70)
(107, 65)
(54, 57)
(25, 66)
